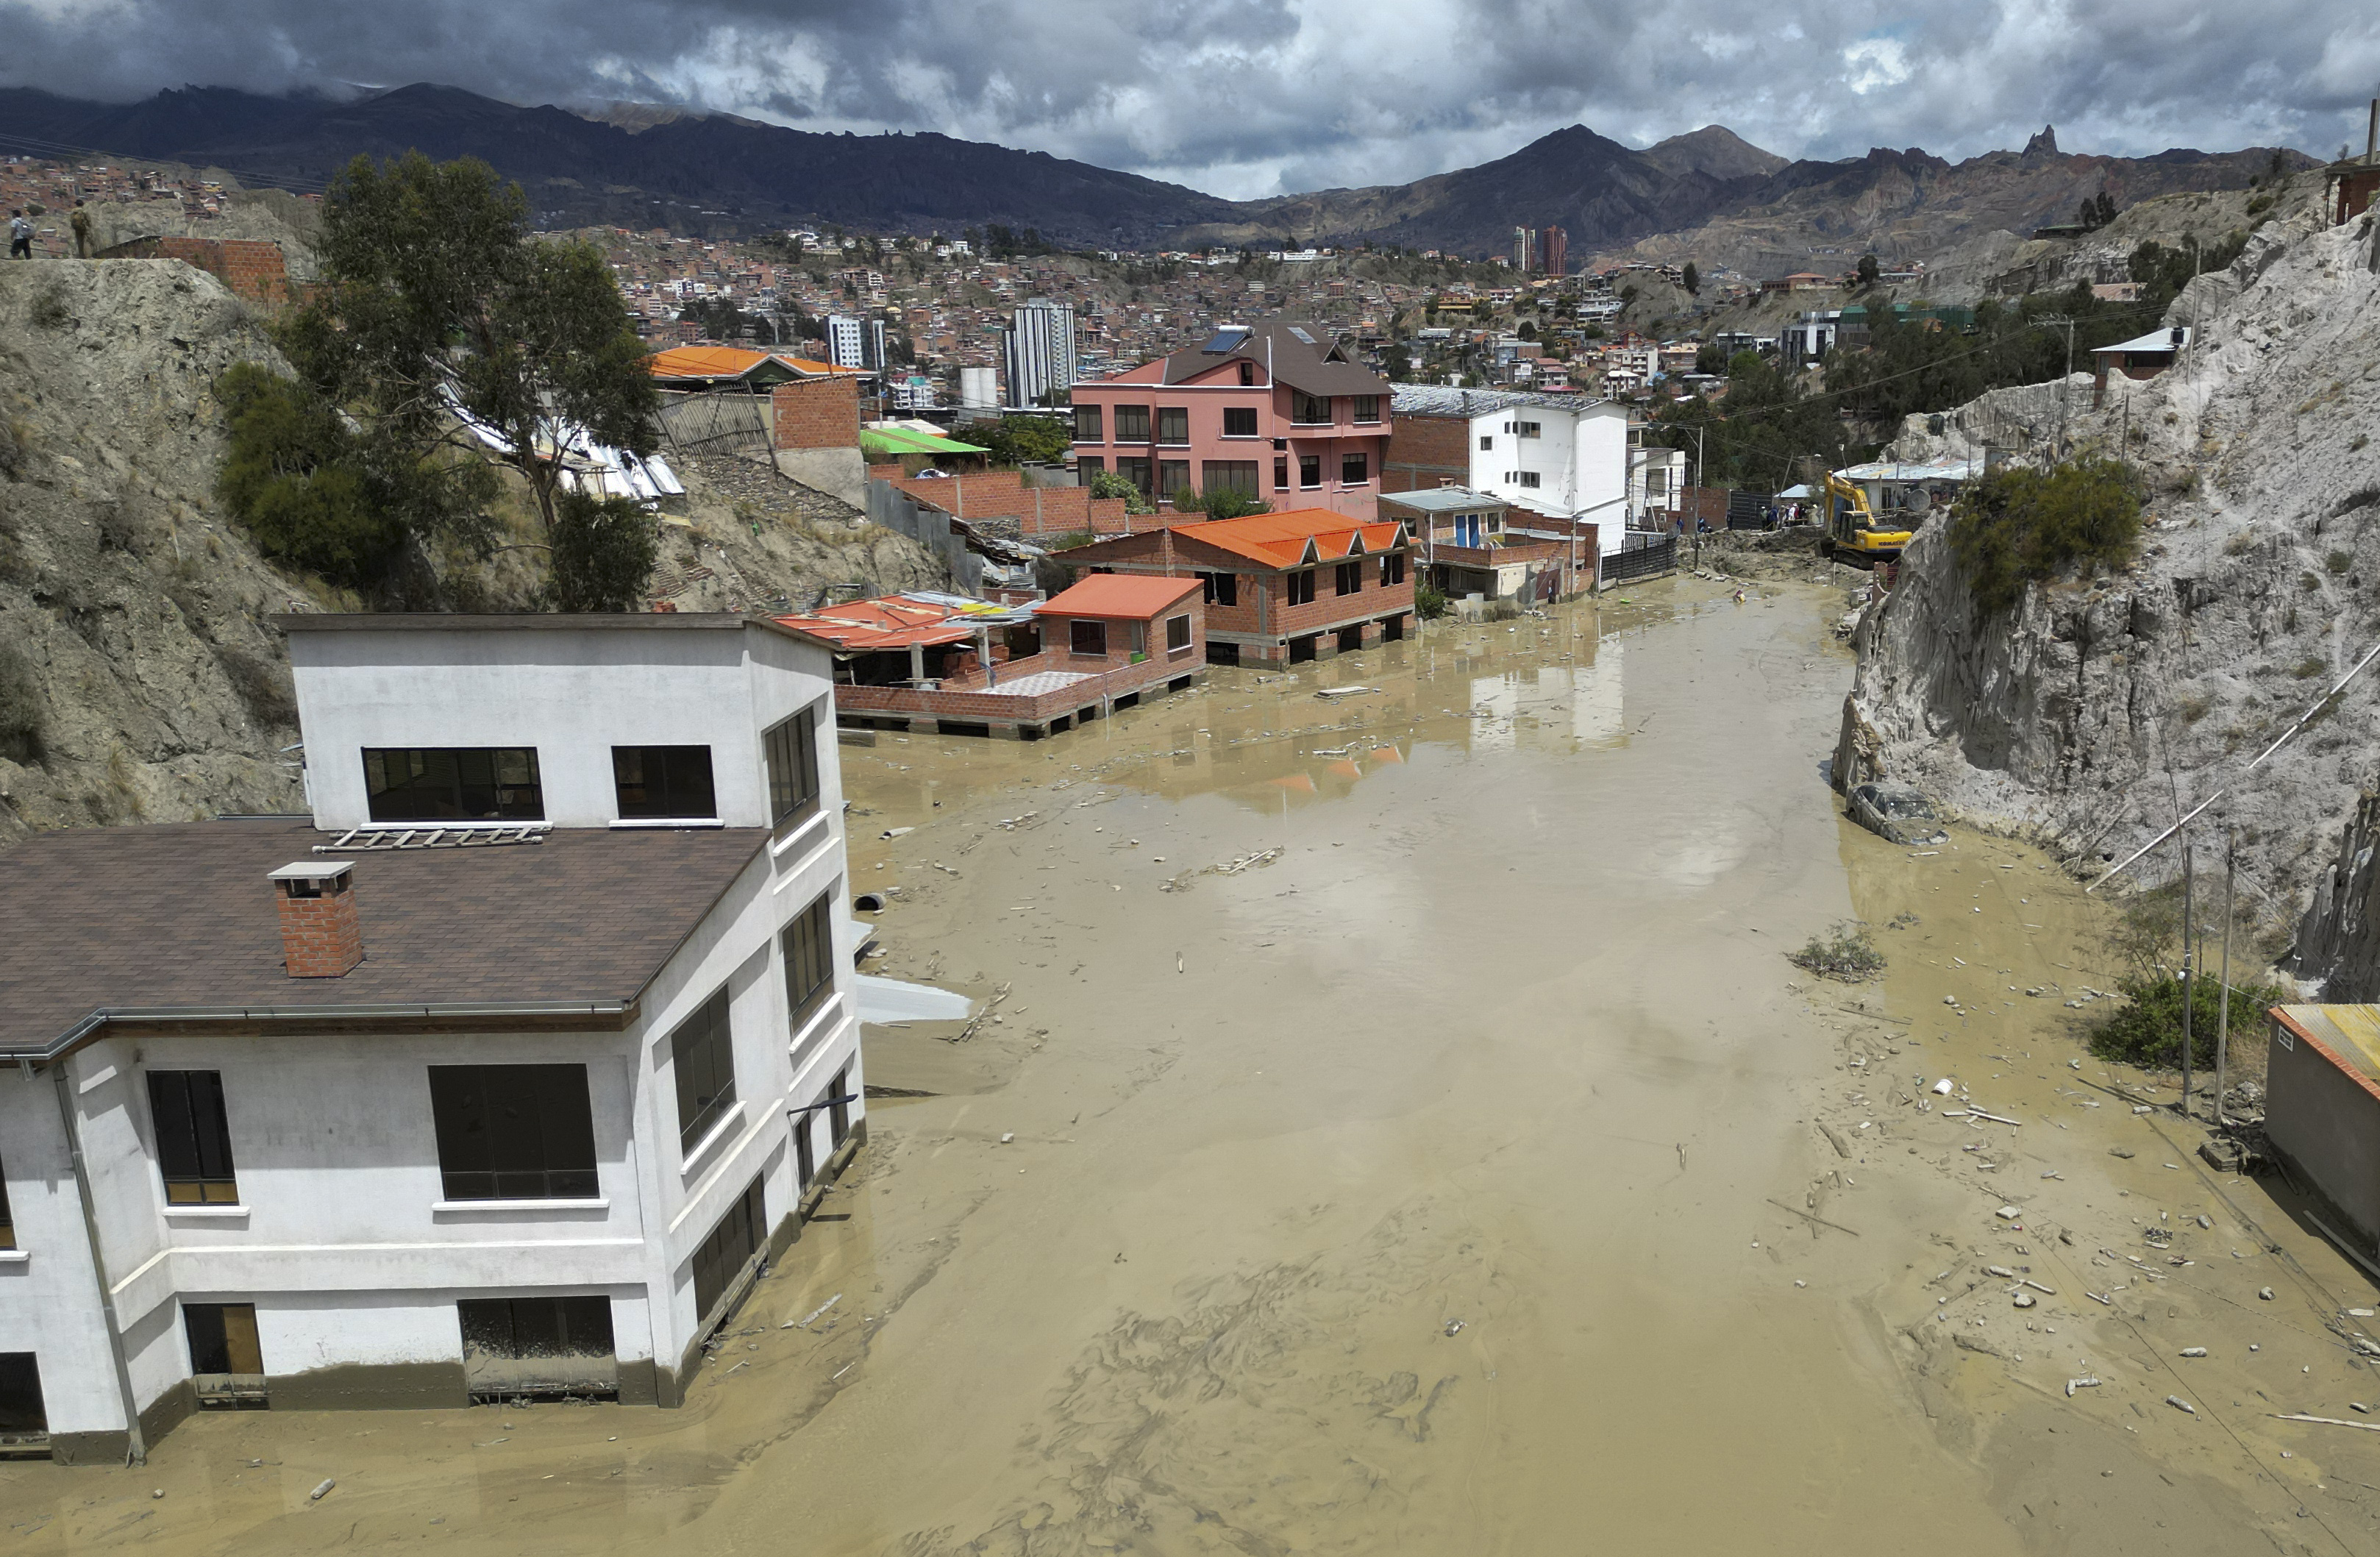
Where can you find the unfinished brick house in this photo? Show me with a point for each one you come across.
(945, 665)
(1279, 589)
(254, 269)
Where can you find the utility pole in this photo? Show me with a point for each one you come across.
(2223, 1016)
(2066, 383)
(2189, 964)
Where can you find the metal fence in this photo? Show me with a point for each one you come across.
(1647, 561)
(722, 422)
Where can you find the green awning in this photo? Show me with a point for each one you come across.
(898, 440)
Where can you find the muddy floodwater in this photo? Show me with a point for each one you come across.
(1393, 1126)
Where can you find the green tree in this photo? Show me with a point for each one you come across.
(604, 553)
(1694, 279)
(2022, 526)
(1106, 483)
(1025, 440)
(434, 296)
(1868, 270)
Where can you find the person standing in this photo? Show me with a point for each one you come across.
(80, 222)
(20, 235)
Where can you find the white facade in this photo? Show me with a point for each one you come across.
(1657, 479)
(1039, 352)
(341, 1234)
(855, 342)
(1563, 461)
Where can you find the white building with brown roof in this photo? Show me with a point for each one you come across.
(502, 1072)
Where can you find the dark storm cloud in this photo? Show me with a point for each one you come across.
(1250, 97)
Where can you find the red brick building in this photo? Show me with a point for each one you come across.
(1279, 589)
(253, 268)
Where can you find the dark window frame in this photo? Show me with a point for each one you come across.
(1281, 473)
(1089, 425)
(1139, 469)
(789, 753)
(1177, 641)
(686, 790)
(1172, 476)
(1354, 468)
(493, 1122)
(1240, 422)
(1392, 568)
(1132, 424)
(1228, 475)
(1309, 472)
(1087, 629)
(727, 1248)
(1311, 411)
(471, 779)
(1088, 464)
(701, 1048)
(1367, 409)
(1222, 588)
(7, 1222)
(192, 1127)
(1348, 579)
(808, 946)
(1298, 588)
(1173, 426)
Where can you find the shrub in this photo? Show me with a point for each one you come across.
(2022, 526)
(2146, 1030)
(1106, 483)
(604, 553)
(23, 719)
(293, 477)
(2339, 562)
(1844, 951)
(1429, 604)
(1220, 503)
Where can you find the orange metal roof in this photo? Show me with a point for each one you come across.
(888, 623)
(1131, 596)
(1282, 540)
(726, 362)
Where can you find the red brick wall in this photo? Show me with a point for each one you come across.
(1425, 452)
(1002, 495)
(1328, 609)
(252, 268)
(815, 414)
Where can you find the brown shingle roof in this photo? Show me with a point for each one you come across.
(1313, 363)
(182, 917)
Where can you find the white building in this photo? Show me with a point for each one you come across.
(1038, 350)
(1560, 455)
(502, 1072)
(1656, 484)
(855, 342)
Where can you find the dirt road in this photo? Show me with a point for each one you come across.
(1398, 1128)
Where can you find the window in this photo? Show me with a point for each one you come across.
(1087, 638)
(1135, 470)
(1086, 425)
(1309, 469)
(514, 1132)
(1177, 635)
(1311, 409)
(838, 1115)
(1172, 476)
(549, 1332)
(809, 945)
(791, 749)
(1355, 470)
(1656, 480)
(1132, 424)
(1239, 422)
(1229, 475)
(7, 1223)
(453, 784)
(1528, 478)
(1247, 372)
(727, 1251)
(1280, 474)
(1486, 442)
(193, 1137)
(21, 1413)
(1172, 424)
(1301, 587)
(1528, 430)
(804, 1165)
(223, 1338)
(1350, 578)
(1086, 466)
(703, 1052)
(1367, 408)
(1222, 588)
(1392, 568)
(663, 781)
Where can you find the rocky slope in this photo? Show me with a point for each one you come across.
(2100, 708)
(141, 676)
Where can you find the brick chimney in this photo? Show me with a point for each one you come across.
(320, 937)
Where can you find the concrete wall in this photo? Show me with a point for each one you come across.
(49, 1292)
(572, 694)
(2325, 1118)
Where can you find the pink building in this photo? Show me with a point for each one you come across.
(1274, 410)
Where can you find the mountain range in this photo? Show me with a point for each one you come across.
(645, 166)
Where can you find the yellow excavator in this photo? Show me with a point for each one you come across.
(1853, 534)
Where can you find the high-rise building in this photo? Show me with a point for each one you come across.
(1553, 251)
(1524, 250)
(846, 341)
(1039, 349)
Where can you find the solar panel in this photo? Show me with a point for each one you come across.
(1225, 342)
(1301, 335)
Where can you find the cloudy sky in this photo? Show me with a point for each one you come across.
(1256, 97)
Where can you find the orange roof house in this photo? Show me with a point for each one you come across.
(715, 366)
(1279, 587)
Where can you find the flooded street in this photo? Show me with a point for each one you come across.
(1395, 1126)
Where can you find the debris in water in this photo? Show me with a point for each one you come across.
(2266, 1293)
(1006, 1138)
(898, 831)
(2073, 1384)
(2181, 1405)
(1455, 1327)
(2194, 1350)
(2008, 1213)
(1944, 1087)
(321, 1492)
(1329, 692)
(803, 1323)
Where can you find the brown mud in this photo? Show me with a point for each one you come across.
(1402, 1130)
